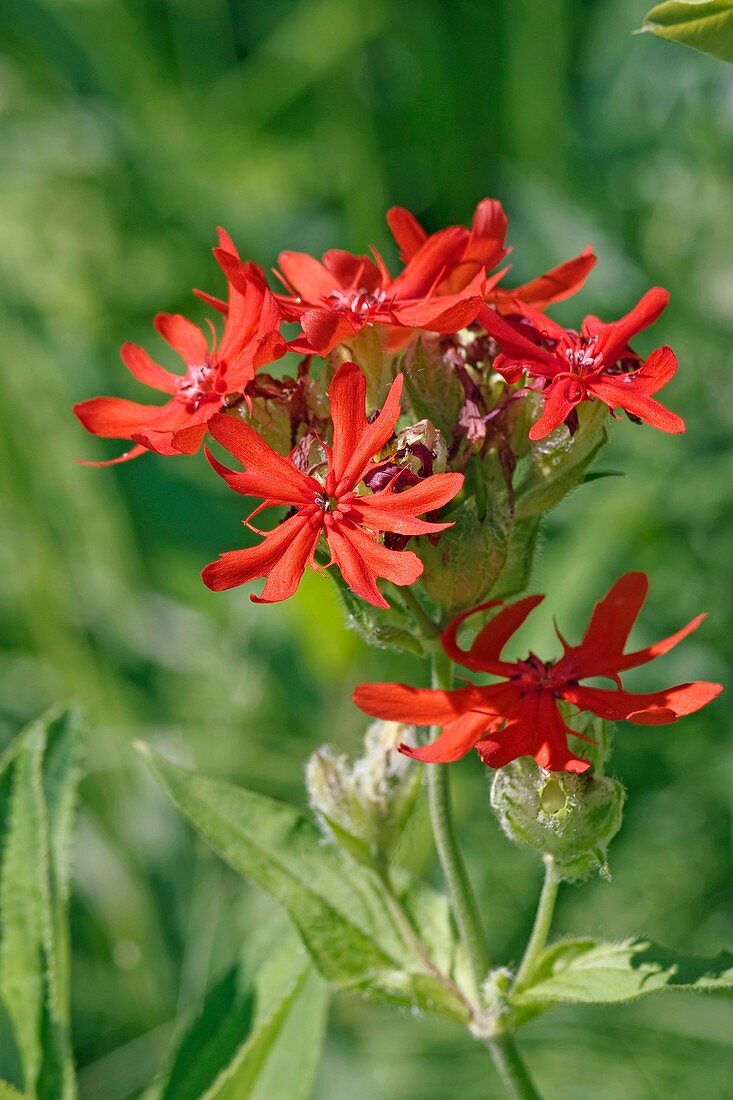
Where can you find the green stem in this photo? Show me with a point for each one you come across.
(511, 1068)
(427, 627)
(462, 897)
(542, 923)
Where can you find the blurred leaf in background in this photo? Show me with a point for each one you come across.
(130, 129)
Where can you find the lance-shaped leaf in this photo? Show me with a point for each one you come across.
(342, 911)
(705, 25)
(38, 779)
(254, 1039)
(589, 971)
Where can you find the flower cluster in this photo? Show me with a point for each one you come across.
(433, 417)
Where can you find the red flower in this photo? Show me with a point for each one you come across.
(520, 716)
(480, 249)
(349, 522)
(334, 300)
(597, 362)
(250, 339)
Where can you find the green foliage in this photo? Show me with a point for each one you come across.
(705, 25)
(254, 1039)
(343, 912)
(432, 386)
(38, 779)
(590, 971)
(466, 561)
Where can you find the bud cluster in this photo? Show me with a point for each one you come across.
(365, 804)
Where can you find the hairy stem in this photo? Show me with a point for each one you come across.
(542, 923)
(511, 1068)
(425, 624)
(463, 899)
(412, 939)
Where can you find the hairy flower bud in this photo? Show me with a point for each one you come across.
(558, 463)
(568, 816)
(364, 804)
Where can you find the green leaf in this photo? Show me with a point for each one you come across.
(38, 780)
(705, 25)
(281, 1054)
(342, 911)
(589, 971)
(254, 1040)
(7, 1092)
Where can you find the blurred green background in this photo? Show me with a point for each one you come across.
(130, 129)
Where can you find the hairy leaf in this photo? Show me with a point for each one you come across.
(38, 780)
(589, 971)
(342, 911)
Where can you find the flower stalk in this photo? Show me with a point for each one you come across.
(463, 899)
(541, 927)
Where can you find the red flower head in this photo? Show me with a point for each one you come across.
(251, 338)
(335, 299)
(597, 362)
(480, 249)
(520, 717)
(332, 508)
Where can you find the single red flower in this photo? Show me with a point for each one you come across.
(251, 338)
(349, 522)
(520, 717)
(596, 362)
(480, 249)
(337, 298)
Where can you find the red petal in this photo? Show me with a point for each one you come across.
(326, 329)
(114, 417)
(488, 233)
(653, 709)
(555, 285)
(352, 272)
(281, 557)
(445, 312)
(623, 394)
(436, 256)
(418, 706)
(355, 441)
(613, 338)
(363, 561)
(485, 653)
(183, 336)
(265, 468)
(610, 625)
(134, 452)
(390, 511)
(407, 232)
(309, 278)
(515, 344)
(659, 369)
(561, 397)
(226, 243)
(456, 740)
(146, 370)
(535, 729)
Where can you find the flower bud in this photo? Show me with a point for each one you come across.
(364, 805)
(559, 462)
(568, 816)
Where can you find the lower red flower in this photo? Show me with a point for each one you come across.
(350, 522)
(520, 716)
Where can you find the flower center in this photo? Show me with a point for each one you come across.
(535, 674)
(200, 382)
(361, 302)
(581, 358)
(326, 503)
